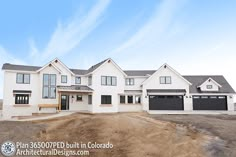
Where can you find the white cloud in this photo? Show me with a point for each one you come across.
(151, 32)
(68, 35)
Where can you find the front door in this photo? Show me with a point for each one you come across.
(64, 102)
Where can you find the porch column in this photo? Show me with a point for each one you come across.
(59, 101)
(133, 99)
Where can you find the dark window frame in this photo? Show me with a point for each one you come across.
(106, 99)
(121, 100)
(113, 81)
(79, 97)
(62, 79)
(90, 99)
(23, 99)
(128, 100)
(23, 78)
(165, 79)
(76, 82)
(49, 86)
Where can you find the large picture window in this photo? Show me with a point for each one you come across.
(23, 78)
(22, 99)
(108, 80)
(49, 86)
(106, 99)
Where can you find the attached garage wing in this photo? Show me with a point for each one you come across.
(209, 103)
(166, 102)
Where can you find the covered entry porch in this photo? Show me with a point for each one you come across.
(74, 98)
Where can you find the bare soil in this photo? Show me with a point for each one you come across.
(221, 126)
(132, 134)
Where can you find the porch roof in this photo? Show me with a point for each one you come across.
(166, 90)
(75, 88)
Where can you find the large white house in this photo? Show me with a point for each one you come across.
(105, 88)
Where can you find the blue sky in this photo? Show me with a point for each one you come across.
(193, 36)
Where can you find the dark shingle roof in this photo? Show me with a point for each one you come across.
(139, 72)
(8, 66)
(79, 71)
(198, 80)
(166, 90)
(94, 67)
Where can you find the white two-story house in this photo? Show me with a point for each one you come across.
(106, 88)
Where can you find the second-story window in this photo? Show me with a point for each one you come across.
(165, 80)
(23, 78)
(77, 80)
(63, 79)
(90, 80)
(49, 86)
(129, 81)
(108, 80)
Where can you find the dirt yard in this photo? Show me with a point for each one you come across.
(222, 126)
(132, 134)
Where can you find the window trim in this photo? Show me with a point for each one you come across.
(107, 101)
(113, 80)
(24, 101)
(90, 79)
(49, 86)
(62, 79)
(165, 78)
(90, 102)
(131, 99)
(128, 83)
(23, 79)
(78, 96)
(120, 99)
(79, 80)
(207, 86)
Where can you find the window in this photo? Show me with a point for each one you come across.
(90, 99)
(79, 98)
(22, 99)
(49, 86)
(90, 80)
(106, 99)
(165, 80)
(130, 99)
(108, 80)
(137, 99)
(129, 81)
(122, 99)
(23, 78)
(77, 80)
(209, 86)
(63, 79)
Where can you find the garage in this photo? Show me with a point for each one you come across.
(166, 102)
(209, 103)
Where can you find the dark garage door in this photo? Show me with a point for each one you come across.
(209, 103)
(166, 102)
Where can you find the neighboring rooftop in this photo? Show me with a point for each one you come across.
(197, 80)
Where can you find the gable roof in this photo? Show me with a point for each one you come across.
(210, 79)
(165, 66)
(94, 67)
(56, 60)
(197, 80)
